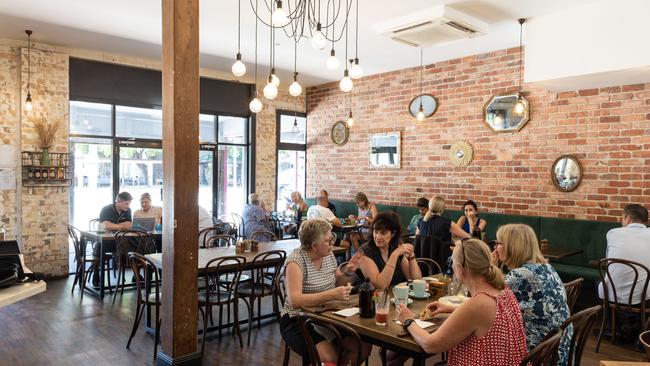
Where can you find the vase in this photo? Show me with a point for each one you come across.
(45, 157)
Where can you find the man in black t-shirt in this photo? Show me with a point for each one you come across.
(330, 205)
(117, 215)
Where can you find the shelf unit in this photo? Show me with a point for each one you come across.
(39, 173)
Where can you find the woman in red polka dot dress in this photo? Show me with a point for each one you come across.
(487, 329)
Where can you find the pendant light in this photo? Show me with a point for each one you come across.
(356, 71)
(279, 17)
(350, 121)
(318, 40)
(295, 129)
(346, 83)
(238, 68)
(520, 107)
(332, 61)
(295, 89)
(420, 115)
(28, 100)
(271, 89)
(255, 105)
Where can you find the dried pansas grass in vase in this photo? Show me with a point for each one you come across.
(46, 132)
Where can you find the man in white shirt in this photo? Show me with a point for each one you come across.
(631, 242)
(320, 211)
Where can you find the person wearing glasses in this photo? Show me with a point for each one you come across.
(487, 328)
(536, 285)
(312, 277)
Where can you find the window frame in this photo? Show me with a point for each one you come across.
(288, 146)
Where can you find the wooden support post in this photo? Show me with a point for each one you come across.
(180, 78)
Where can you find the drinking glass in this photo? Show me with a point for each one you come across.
(382, 305)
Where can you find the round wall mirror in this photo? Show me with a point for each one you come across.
(340, 133)
(429, 105)
(566, 173)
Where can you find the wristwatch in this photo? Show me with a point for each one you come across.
(406, 323)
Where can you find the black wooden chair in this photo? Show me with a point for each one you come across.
(86, 263)
(545, 354)
(640, 276)
(573, 292)
(582, 322)
(257, 287)
(146, 298)
(238, 221)
(263, 236)
(340, 331)
(126, 241)
(644, 339)
(279, 297)
(220, 240)
(221, 289)
(428, 266)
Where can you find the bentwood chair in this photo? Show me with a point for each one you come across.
(639, 275)
(222, 228)
(341, 332)
(146, 298)
(545, 354)
(239, 224)
(257, 287)
(221, 289)
(279, 297)
(220, 240)
(428, 264)
(86, 263)
(263, 236)
(582, 323)
(644, 339)
(127, 241)
(573, 292)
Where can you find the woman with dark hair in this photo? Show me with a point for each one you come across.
(387, 260)
(470, 222)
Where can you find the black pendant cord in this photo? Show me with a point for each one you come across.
(29, 61)
(521, 59)
(270, 51)
(421, 70)
(239, 27)
(256, 5)
(346, 40)
(356, 46)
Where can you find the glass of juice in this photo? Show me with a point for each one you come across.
(382, 305)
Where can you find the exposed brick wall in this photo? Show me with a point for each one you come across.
(608, 129)
(9, 129)
(265, 160)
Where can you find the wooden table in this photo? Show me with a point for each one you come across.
(206, 255)
(101, 238)
(623, 363)
(555, 253)
(21, 291)
(391, 336)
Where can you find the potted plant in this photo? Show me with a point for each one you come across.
(46, 132)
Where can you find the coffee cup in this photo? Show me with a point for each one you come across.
(419, 288)
(401, 293)
(100, 227)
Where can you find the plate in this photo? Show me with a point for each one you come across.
(426, 296)
(410, 301)
(453, 300)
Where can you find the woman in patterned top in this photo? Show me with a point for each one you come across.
(538, 288)
(486, 329)
(312, 278)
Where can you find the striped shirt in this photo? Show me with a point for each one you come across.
(314, 280)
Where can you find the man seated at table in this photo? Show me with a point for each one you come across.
(320, 211)
(147, 210)
(116, 216)
(423, 206)
(631, 242)
(329, 205)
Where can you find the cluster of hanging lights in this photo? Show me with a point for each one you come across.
(299, 19)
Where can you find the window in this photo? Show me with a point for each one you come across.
(291, 157)
(91, 119)
(140, 123)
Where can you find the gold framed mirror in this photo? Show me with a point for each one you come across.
(340, 133)
(566, 173)
(502, 114)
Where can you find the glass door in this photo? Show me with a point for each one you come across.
(141, 171)
(291, 176)
(231, 180)
(206, 177)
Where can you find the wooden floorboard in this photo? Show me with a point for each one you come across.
(56, 328)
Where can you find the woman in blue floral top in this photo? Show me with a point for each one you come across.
(536, 285)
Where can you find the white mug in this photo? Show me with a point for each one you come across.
(100, 227)
(419, 287)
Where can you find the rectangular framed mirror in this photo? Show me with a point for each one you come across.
(385, 150)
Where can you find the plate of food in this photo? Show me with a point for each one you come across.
(453, 300)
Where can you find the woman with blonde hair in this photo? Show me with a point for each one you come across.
(366, 215)
(486, 329)
(536, 285)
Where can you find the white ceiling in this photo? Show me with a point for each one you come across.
(133, 28)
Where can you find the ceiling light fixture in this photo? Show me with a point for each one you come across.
(255, 105)
(28, 100)
(356, 71)
(420, 115)
(332, 61)
(520, 107)
(279, 17)
(346, 83)
(295, 89)
(271, 89)
(238, 68)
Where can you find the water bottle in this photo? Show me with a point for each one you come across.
(450, 270)
(366, 306)
(158, 226)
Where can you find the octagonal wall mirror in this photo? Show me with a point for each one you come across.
(501, 115)
(429, 105)
(566, 173)
(385, 150)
